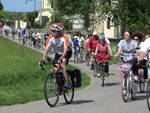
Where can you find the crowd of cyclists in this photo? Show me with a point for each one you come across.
(132, 48)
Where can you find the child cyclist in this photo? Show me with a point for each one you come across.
(101, 52)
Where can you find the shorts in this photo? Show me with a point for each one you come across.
(67, 57)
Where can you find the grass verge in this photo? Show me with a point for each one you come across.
(21, 81)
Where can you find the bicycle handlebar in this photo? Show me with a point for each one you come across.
(47, 63)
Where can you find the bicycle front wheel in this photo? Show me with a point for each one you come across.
(125, 84)
(51, 91)
(148, 94)
(69, 93)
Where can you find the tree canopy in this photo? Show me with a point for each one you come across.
(133, 14)
(72, 7)
(31, 16)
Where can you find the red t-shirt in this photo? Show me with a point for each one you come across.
(92, 42)
(102, 52)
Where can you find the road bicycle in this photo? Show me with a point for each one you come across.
(54, 85)
(101, 68)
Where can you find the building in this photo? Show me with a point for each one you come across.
(46, 11)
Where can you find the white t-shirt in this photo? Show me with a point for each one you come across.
(146, 45)
(38, 35)
(107, 40)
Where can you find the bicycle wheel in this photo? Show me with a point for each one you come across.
(148, 94)
(69, 93)
(142, 85)
(125, 84)
(134, 87)
(51, 90)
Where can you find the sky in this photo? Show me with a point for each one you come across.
(20, 6)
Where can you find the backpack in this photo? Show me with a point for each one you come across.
(75, 78)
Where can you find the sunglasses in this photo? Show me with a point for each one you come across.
(136, 39)
(54, 31)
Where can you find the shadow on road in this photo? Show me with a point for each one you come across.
(112, 84)
(82, 101)
(76, 102)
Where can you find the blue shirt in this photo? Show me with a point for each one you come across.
(75, 42)
(23, 32)
(46, 36)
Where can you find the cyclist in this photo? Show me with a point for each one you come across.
(93, 41)
(101, 51)
(127, 47)
(144, 51)
(138, 39)
(106, 39)
(63, 53)
(13, 31)
(75, 45)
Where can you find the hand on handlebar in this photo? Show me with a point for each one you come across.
(116, 56)
(42, 62)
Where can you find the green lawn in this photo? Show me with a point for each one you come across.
(21, 80)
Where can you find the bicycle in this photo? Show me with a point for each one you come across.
(54, 86)
(128, 84)
(100, 67)
(88, 56)
(141, 79)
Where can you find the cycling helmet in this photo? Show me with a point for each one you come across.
(57, 27)
(101, 38)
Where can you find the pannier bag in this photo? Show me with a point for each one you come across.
(75, 77)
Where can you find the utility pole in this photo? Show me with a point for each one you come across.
(40, 13)
(118, 21)
(54, 12)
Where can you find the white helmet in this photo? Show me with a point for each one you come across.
(94, 33)
(75, 37)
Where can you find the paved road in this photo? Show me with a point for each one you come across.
(93, 99)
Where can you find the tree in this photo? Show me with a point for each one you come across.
(72, 7)
(31, 16)
(133, 14)
(1, 5)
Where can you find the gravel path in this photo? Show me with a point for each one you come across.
(93, 99)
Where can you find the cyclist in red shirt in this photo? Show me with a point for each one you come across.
(102, 51)
(91, 45)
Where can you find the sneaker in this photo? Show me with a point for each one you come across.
(98, 74)
(67, 85)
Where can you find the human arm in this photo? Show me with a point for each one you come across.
(110, 51)
(96, 51)
(118, 52)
